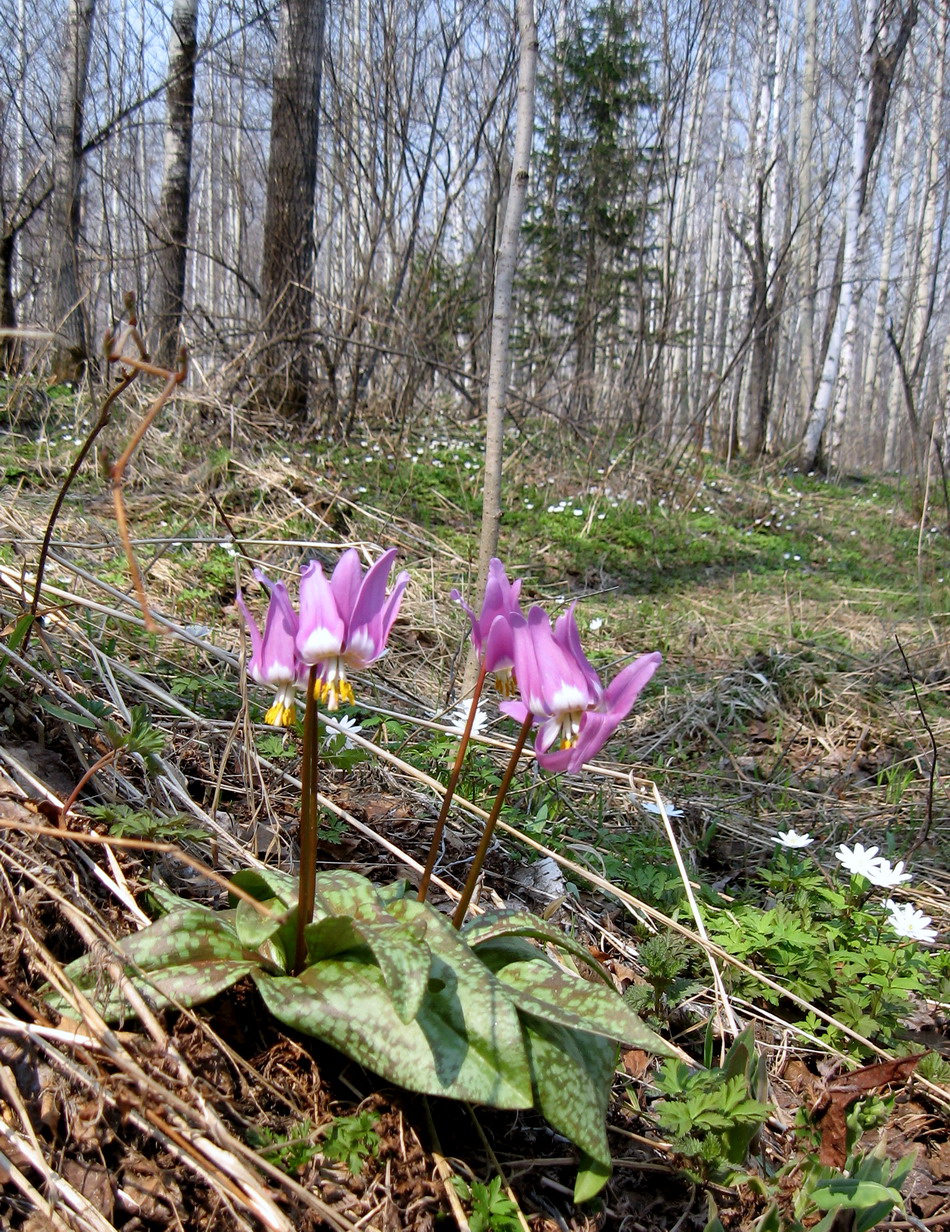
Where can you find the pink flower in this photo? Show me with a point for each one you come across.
(559, 687)
(274, 660)
(491, 630)
(345, 622)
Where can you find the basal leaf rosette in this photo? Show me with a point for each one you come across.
(486, 1013)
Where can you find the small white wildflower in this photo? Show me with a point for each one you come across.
(908, 922)
(791, 838)
(887, 877)
(596, 624)
(459, 717)
(860, 861)
(578, 513)
(652, 807)
(342, 725)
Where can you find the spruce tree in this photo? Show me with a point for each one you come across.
(587, 231)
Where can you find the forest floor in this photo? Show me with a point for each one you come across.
(805, 686)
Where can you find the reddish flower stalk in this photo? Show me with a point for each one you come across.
(309, 821)
(482, 852)
(451, 786)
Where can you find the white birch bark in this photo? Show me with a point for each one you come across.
(807, 213)
(718, 285)
(935, 140)
(822, 405)
(888, 269)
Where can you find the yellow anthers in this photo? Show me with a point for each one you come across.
(334, 691)
(505, 684)
(570, 729)
(283, 712)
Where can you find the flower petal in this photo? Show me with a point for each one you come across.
(322, 629)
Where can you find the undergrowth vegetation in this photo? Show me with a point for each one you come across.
(801, 711)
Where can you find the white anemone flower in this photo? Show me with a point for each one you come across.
(887, 877)
(459, 717)
(908, 922)
(651, 806)
(860, 861)
(345, 726)
(791, 838)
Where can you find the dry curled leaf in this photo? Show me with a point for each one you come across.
(829, 1111)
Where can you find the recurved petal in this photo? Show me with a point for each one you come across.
(628, 684)
(257, 640)
(278, 655)
(372, 592)
(346, 582)
(322, 630)
(500, 595)
(567, 635)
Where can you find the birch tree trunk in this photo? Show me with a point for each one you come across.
(171, 221)
(878, 406)
(288, 249)
(71, 350)
(877, 70)
(807, 213)
(499, 364)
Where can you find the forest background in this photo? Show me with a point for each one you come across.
(733, 236)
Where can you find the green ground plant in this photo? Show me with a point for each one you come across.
(830, 943)
(490, 1208)
(351, 1140)
(290, 1150)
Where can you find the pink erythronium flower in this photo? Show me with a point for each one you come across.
(274, 659)
(491, 629)
(559, 687)
(345, 621)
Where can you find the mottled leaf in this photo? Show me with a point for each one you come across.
(464, 1042)
(495, 925)
(265, 883)
(188, 984)
(254, 927)
(592, 1176)
(346, 893)
(168, 902)
(395, 890)
(539, 987)
(188, 956)
(334, 934)
(572, 1071)
(400, 952)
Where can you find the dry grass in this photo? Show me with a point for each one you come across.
(759, 721)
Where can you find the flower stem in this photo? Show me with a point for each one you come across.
(96, 766)
(450, 789)
(307, 885)
(479, 858)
